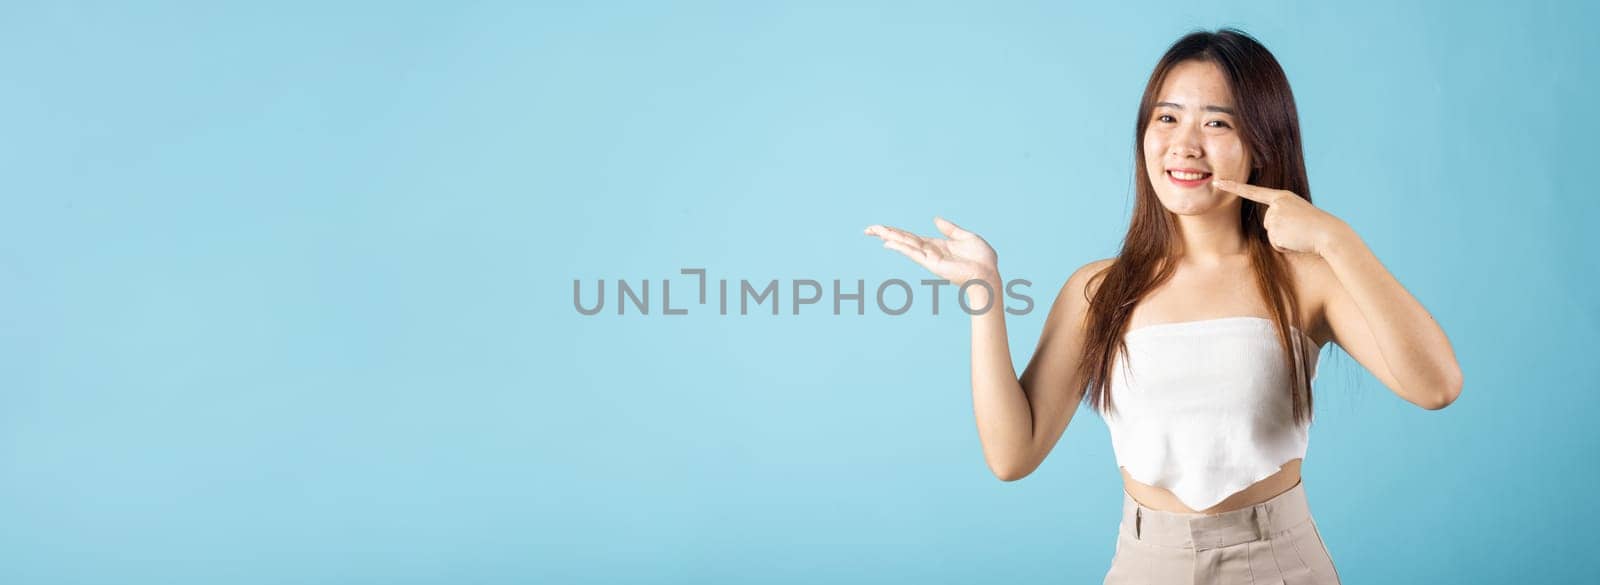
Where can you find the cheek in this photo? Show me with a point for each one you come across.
(1152, 151)
(1228, 152)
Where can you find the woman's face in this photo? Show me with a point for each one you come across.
(1192, 138)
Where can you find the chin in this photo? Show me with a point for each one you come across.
(1197, 203)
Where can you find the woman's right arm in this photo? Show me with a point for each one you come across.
(1019, 420)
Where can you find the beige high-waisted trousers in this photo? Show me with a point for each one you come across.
(1272, 543)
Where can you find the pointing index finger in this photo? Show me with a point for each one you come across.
(1251, 192)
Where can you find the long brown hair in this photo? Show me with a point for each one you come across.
(1270, 130)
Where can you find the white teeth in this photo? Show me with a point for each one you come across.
(1188, 176)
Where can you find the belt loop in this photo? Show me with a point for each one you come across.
(1263, 522)
(1138, 518)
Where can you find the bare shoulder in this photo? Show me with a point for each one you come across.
(1085, 279)
(1079, 288)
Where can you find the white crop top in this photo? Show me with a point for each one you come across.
(1202, 408)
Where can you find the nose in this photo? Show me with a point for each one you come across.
(1185, 142)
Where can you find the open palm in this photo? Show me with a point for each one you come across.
(958, 257)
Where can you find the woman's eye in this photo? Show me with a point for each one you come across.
(1164, 118)
(1219, 123)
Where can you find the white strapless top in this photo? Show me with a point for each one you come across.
(1202, 408)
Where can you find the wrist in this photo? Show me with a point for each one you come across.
(991, 276)
(986, 291)
(1338, 241)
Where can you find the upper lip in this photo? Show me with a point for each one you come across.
(1190, 171)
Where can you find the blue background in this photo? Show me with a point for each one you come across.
(286, 290)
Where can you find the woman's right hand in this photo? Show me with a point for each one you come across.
(958, 257)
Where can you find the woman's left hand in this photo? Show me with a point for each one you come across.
(1293, 224)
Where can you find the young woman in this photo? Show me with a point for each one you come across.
(1197, 343)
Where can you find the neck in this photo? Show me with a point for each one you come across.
(1213, 237)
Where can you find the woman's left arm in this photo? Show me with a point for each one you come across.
(1372, 316)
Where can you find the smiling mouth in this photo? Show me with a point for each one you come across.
(1188, 179)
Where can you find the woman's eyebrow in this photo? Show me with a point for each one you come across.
(1208, 108)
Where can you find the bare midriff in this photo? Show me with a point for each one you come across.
(1157, 498)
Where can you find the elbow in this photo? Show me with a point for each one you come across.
(1009, 472)
(1447, 393)
(1010, 475)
